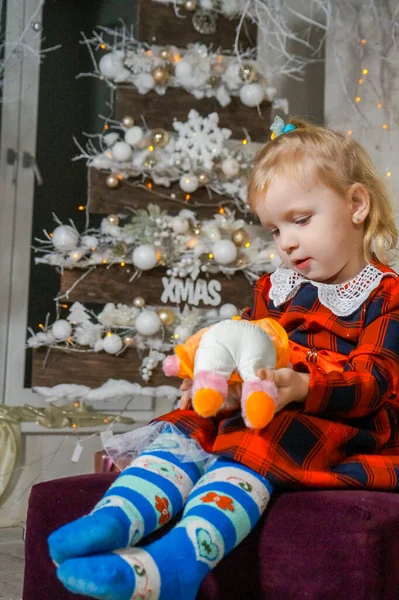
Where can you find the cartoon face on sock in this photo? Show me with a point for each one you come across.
(313, 228)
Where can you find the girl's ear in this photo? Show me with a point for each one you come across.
(360, 202)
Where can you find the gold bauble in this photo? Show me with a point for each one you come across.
(166, 316)
(128, 122)
(138, 302)
(165, 54)
(241, 261)
(128, 340)
(203, 178)
(120, 249)
(160, 138)
(213, 81)
(160, 75)
(150, 161)
(190, 5)
(113, 219)
(112, 182)
(240, 237)
(248, 73)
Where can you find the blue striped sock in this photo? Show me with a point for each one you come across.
(145, 496)
(221, 510)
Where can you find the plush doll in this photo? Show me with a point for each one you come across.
(230, 351)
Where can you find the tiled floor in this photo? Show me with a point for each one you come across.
(11, 563)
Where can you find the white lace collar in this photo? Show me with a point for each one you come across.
(341, 298)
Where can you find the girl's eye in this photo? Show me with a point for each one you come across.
(274, 232)
(302, 221)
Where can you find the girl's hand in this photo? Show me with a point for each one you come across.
(185, 400)
(292, 386)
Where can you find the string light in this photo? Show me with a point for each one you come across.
(365, 71)
(74, 425)
(379, 105)
(81, 207)
(363, 42)
(149, 185)
(76, 255)
(51, 235)
(41, 325)
(247, 245)
(109, 333)
(123, 264)
(188, 197)
(176, 336)
(358, 99)
(221, 210)
(245, 142)
(176, 57)
(64, 305)
(210, 255)
(385, 126)
(361, 81)
(106, 126)
(272, 255)
(389, 173)
(119, 176)
(103, 46)
(349, 132)
(151, 148)
(104, 261)
(76, 404)
(69, 340)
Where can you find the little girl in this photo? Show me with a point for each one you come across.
(337, 419)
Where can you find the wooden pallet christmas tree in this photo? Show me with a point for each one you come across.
(113, 195)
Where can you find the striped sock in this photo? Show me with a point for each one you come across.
(145, 496)
(221, 510)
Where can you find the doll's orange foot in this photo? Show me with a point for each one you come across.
(207, 402)
(259, 409)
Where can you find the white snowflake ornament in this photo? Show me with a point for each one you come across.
(200, 141)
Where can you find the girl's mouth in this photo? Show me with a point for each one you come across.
(302, 264)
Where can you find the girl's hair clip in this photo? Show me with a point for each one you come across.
(278, 127)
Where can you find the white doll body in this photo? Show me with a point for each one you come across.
(232, 346)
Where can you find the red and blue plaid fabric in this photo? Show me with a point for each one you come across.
(347, 433)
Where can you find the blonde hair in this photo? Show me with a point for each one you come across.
(338, 161)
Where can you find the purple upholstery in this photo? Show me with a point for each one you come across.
(313, 545)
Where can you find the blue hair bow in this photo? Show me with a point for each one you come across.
(278, 127)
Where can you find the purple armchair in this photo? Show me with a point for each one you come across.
(315, 545)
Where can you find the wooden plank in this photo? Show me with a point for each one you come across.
(159, 111)
(91, 368)
(112, 285)
(158, 24)
(127, 197)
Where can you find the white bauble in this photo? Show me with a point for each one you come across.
(90, 241)
(148, 322)
(122, 151)
(181, 334)
(111, 64)
(144, 257)
(65, 238)
(226, 311)
(180, 224)
(61, 329)
(230, 167)
(112, 343)
(189, 183)
(110, 138)
(133, 135)
(183, 70)
(224, 252)
(252, 94)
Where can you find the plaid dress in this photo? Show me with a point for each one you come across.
(346, 435)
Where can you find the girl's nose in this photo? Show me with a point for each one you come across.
(288, 241)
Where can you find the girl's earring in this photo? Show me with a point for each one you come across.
(356, 219)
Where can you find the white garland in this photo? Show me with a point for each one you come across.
(197, 147)
(227, 8)
(85, 331)
(112, 391)
(197, 69)
(183, 253)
